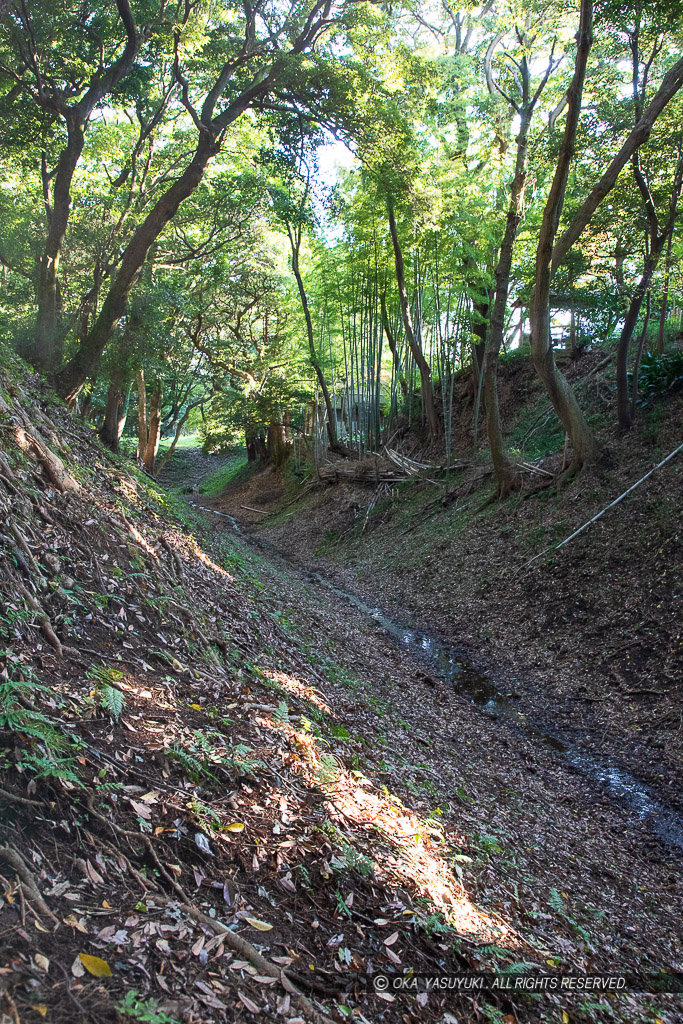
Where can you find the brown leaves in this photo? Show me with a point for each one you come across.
(248, 1003)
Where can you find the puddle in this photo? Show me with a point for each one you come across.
(469, 682)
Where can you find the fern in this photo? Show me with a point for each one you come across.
(557, 903)
(112, 701)
(492, 950)
(49, 765)
(281, 713)
(352, 860)
(517, 968)
(41, 754)
(194, 768)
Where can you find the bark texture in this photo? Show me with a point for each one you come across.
(560, 393)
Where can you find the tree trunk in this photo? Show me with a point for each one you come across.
(624, 407)
(154, 432)
(295, 243)
(560, 393)
(174, 443)
(45, 348)
(142, 413)
(47, 344)
(639, 356)
(391, 341)
(507, 477)
(671, 83)
(277, 449)
(658, 239)
(71, 377)
(665, 297)
(109, 431)
(418, 355)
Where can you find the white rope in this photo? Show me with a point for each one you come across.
(605, 509)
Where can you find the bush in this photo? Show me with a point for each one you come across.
(659, 374)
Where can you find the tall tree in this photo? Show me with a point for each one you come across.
(67, 87)
(507, 477)
(561, 395)
(241, 70)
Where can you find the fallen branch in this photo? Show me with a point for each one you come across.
(616, 501)
(242, 946)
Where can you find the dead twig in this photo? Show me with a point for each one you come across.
(235, 942)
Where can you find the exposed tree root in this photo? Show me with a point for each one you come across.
(51, 463)
(43, 620)
(15, 798)
(16, 861)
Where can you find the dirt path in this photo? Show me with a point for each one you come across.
(189, 466)
(583, 881)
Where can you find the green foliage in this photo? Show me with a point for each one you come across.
(559, 905)
(110, 696)
(659, 373)
(207, 752)
(45, 751)
(215, 483)
(145, 1011)
(281, 713)
(351, 859)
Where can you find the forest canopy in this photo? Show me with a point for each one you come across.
(327, 218)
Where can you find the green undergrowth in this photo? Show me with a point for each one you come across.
(235, 470)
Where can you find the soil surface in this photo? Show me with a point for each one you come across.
(253, 789)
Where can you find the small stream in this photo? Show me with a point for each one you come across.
(469, 682)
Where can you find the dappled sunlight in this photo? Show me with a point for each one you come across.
(405, 850)
(294, 685)
(198, 553)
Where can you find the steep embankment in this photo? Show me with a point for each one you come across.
(222, 786)
(588, 638)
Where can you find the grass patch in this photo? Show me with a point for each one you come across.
(215, 483)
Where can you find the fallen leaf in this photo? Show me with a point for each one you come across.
(41, 1008)
(41, 961)
(142, 809)
(250, 1005)
(95, 966)
(151, 797)
(203, 843)
(286, 983)
(73, 922)
(235, 826)
(77, 968)
(262, 926)
(391, 939)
